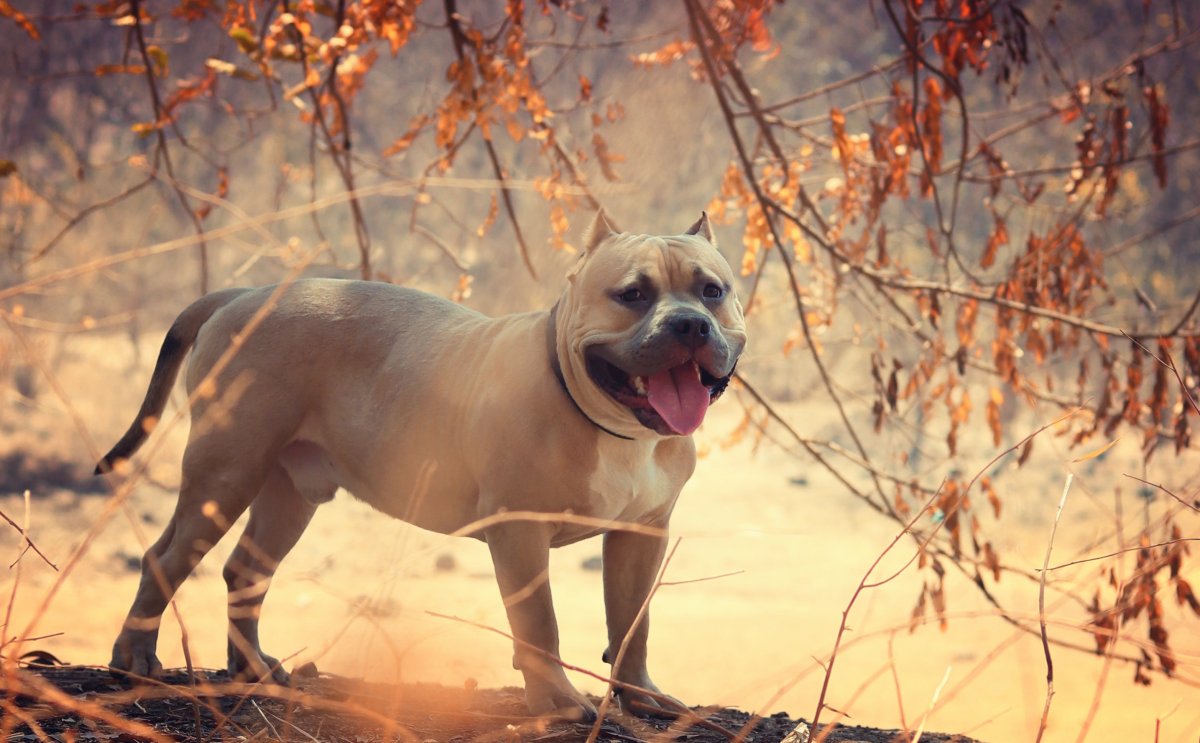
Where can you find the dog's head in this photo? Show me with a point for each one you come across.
(649, 329)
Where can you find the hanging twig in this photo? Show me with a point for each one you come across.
(339, 154)
(694, 12)
(460, 43)
(161, 117)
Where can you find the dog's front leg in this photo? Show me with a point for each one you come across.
(631, 562)
(521, 555)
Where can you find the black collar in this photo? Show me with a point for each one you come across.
(552, 349)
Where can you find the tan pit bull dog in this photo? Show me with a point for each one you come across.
(440, 416)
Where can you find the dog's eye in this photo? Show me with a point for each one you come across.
(631, 295)
(712, 291)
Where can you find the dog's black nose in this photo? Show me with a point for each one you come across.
(691, 330)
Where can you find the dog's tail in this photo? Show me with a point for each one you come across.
(175, 346)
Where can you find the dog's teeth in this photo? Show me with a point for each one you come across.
(639, 385)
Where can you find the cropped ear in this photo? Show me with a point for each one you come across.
(702, 229)
(598, 232)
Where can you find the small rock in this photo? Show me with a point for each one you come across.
(445, 562)
(800, 734)
(306, 670)
(593, 564)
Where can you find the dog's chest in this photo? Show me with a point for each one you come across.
(627, 484)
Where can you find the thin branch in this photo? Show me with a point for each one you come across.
(640, 617)
(829, 88)
(1083, 560)
(616, 43)
(441, 244)
(576, 174)
(832, 727)
(896, 681)
(83, 214)
(808, 445)
(749, 98)
(28, 542)
(694, 12)
(161, 117)
(1137, 240)
(1042, 609)
(340, 155)
(696, 719)
(1098, 693)
(1185, 504)
(935, 287)
(1187, 146)
(1169, 363)
(460, 43)
(862, 585)
(955, 87)
(345, 163)
(506, 197)
(1191, 310)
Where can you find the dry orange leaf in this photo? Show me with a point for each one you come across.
(1097, 452)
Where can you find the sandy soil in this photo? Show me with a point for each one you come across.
(359, 593)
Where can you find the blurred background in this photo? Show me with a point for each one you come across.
(956, 224)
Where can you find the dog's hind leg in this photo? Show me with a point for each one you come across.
(211, 498)
(278, 517)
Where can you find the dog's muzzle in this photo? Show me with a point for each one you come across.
(671, 400)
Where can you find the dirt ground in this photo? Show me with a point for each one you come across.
(366, 597)
(329, 708)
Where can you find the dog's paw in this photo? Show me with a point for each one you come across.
(565, 703)
(259, 668)
(134, 654)
(643, 704)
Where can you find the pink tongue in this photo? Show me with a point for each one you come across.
(678, 397)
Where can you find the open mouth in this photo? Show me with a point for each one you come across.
(671, 401)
